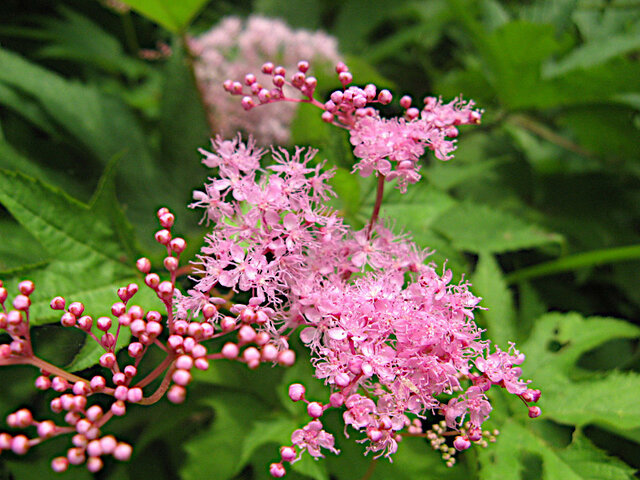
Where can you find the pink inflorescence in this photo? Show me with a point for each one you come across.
(234, 49)
(181, 340)
(389, 335)
(389, 147)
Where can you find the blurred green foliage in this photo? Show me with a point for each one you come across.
(540, 208)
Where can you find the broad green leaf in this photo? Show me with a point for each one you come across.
(488, 282)
(276, 430)
(219, 448)
(520, 451)
(172, 15)
(570, 395)
(17, 247)
(91, 261)
(593, 53)
(100, 123)
(67, 39)
(480, 228)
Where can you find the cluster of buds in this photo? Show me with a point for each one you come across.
(182, 341)
(378, 141)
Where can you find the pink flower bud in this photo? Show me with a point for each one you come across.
(119, 378)
(201, 363)
(153, 329)
(46, 429)
(94, 449)
(122, 452)
(134, 395)
(475, 434)
(21, 302)
(336, 400)
(57, 303)
(280, 70)
(68, 319)
(171, 264)
(345, 78)
(269, 353)
(5, 441)
(267, 68)
(374, 434)
(26, 287)
(121, 392)
(103, 323)
(246, 334)
(107, 360)
(75, 456)
(288, 454)
(178, 245)
(163, 237)
(162, 211)
(251, 355)
(59, 464)
(94, 412)
(177, 394)
(277, 470)
(23, 418)
(4, 294)
(286, 358)
(76, 308)
(108, 340)
(174, 342)
(327, 117)
(165, 289)
(83, 426)
(296, 392)
(118, 309)
(79, 440)
(14, 317)
(247, 103)
(315, 410)
(81, 388)
(19, 444)
(94, 464)
(534, 412)
(97, 383)
(138, 327)
(118, 408)
(227, 324)
(108, 444)
(385, 97)
(43, 383)
(85, 323)
(461, 443)
(152, 280)
(188, 344)
(56, 405)
(230, 350)
(181, 377)
(342, 379)
(59, 384)
(143, 265)
(405, 102)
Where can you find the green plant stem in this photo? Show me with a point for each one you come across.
(372, 467)
(191, 59)
(130, 33)
(573, 262)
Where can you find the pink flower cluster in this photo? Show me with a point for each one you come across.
(390, 147)
(388, 334)
(234, 48)
(183, 343)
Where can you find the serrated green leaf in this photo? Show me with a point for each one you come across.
(91, 261)
(569, 395)
(219, 449)
(506, 460)
(480, 228)
(488, 282)
(172, 15)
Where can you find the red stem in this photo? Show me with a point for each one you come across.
(376, 207)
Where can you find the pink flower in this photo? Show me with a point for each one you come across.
(312, 438)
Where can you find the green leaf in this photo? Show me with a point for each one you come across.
(571, 395)
(481, 228)
(593, 53)
(90, 260)
(276, 430)
(219, 449)
(488, 282)
(172, 15)
(520, 452)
